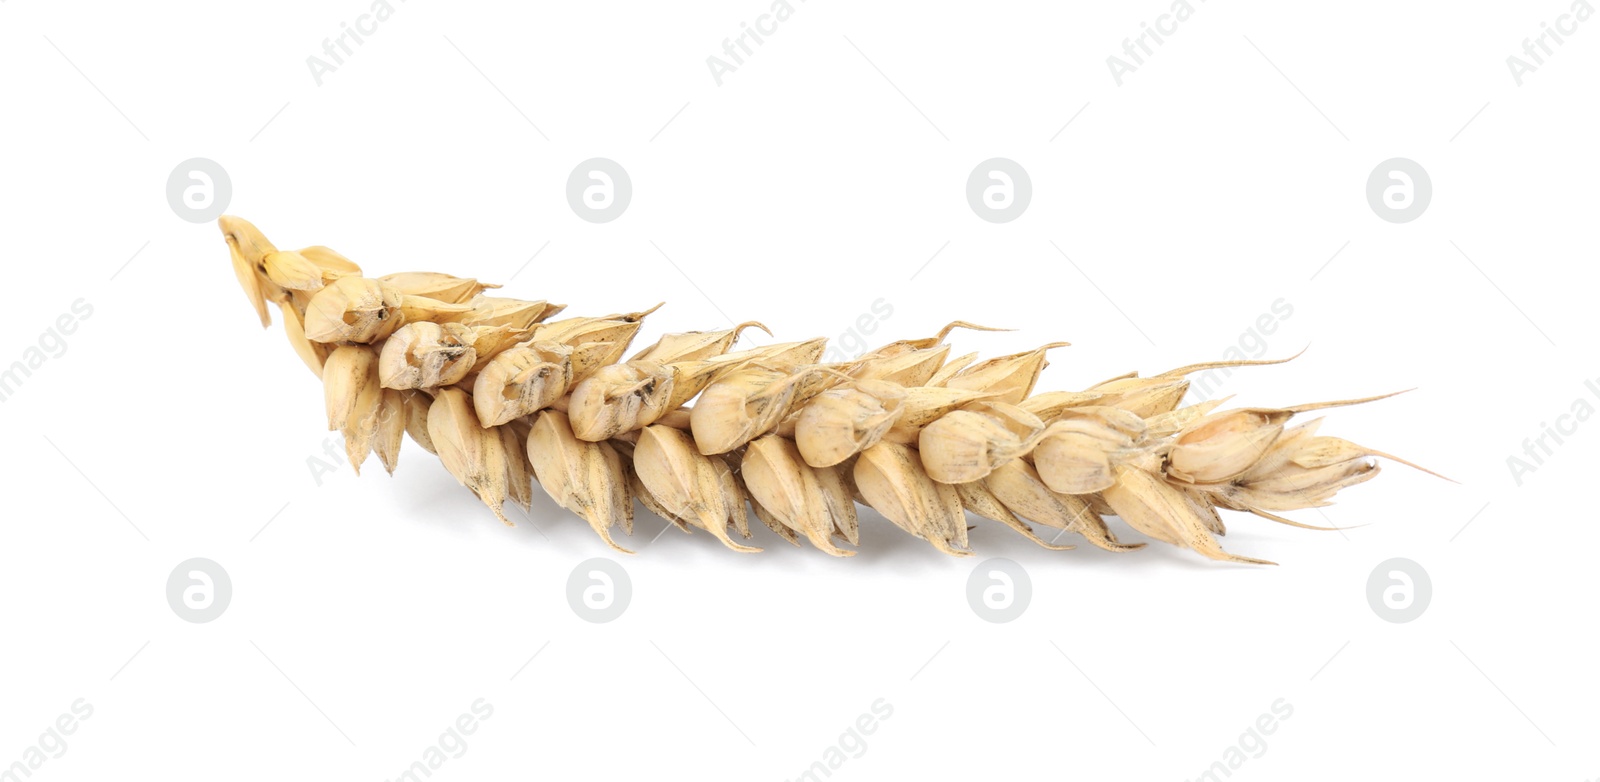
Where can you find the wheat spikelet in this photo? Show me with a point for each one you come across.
(702, 434)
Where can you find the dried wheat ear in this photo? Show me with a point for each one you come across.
(506, 396)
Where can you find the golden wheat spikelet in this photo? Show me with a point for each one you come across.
(702, 434)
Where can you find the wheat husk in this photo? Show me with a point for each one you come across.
(705, 435)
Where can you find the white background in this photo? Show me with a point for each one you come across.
(820, 176)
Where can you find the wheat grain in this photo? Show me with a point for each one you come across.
(507, 397)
